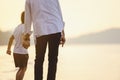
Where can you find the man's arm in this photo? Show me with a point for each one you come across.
(28, 18)
(10, 44)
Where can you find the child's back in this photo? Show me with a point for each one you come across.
(18, 32)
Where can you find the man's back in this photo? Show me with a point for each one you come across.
(45, 15)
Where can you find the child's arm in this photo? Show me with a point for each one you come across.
(9, 45)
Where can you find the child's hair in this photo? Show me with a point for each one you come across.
(22, 16)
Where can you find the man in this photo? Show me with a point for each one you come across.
(48, 27)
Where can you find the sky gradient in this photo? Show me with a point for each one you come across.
(80, 16)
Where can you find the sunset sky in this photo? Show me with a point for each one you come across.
(81, 16)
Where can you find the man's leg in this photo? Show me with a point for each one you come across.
(40, 53)
(53, 45)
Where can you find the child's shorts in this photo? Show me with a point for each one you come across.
(20, 60)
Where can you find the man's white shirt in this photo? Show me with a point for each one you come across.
(45, 15)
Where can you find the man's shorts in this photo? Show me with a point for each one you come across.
(20, 60)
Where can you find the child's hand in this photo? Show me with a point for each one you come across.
(8, 52)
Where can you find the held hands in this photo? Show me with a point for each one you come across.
(26, 44)
(26, 41)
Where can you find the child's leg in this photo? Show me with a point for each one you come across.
(17, 75)
(20, 73)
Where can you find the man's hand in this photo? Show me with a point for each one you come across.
(62, 39)
(26, 37)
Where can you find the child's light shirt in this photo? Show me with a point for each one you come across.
(18, 48)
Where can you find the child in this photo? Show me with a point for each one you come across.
(20, 53)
